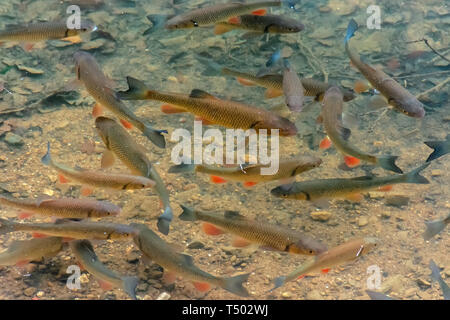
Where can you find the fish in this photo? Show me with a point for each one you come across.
(332, 121)
(441, 148)
(213, 14)
(435, 227)
(42, 31)
(99, 87)
(97, 179)
(293, 90)
(436, 276)
(85, 255)
(374, 295)
(250, 174)
(344, 253)
(274, 84)
(21, 252)
(229, 114)
(119, 143)
(156, 249)
(274, 58)
(260, 24)
(396, 95)
(71, 229)
(273, 237)
(62, 208)
(314, 190)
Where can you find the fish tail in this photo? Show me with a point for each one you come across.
(47, 160)
(129, 286)
(388, 163)
(188, 214)
(415, 177)
(439, 149)
(154, 135)
(184, 167)
(137, 90)
(234, 285)
(158, 21)
(6, 226)
(278, 282)
(351, 29)
(433, 228)
(164, 221)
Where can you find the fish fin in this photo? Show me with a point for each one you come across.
(361, 86)
(351, 162)
(38, 235)
(245, 82)
(325, 143)
(86, 191)
(259, 12)
(232, 215)
(108, 159)
(388, 163)
(216, 179)
(249, 184)
(278, 282)
(272, 93)
(24, 215)
(73, 39)
(211, 229)
(385, 188)
(322, 203)
(432, 228)
(344, 132)
(355, 197)
(47, 159)
(204, 121)
(197, 93)
(169, 109)
(169, 276)
(105, 285)
(234, 20)
(187, 259)
(26, 46)
(181, 168)
(415, 177)
(325, 271)
(154, 135)
(221, 29)
(126, 124)
(351, 29)
(239, 242)
(439, 149)
(234, 285)
(164, 220)
(137, 90)
(289, 180)
(158, 21)
(202, 286)
(62, 178)
(97, 110)
(129, 286)
(22, 263)
(188, 214)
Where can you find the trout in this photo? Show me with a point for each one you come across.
(441, 148)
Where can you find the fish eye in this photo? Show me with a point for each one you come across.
(195, 23)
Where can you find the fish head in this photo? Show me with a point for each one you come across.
(284, 125)
(139, 183)
(105, 208)
(348, 94)
(306, 163)
(81, 58)
(103, 126)
(86, 26)
(409, 106)
(370, 243)
(287, 191)
(307, 246)
(288, 26)
(180, 22)
(333, 92)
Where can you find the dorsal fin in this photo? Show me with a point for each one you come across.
(363, 178)
(344, 132)
(187, 259)
(197, 93)
(233, 215)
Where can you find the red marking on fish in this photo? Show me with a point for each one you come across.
(24, 215)
(240, 243)
(249, 183)
(233, 20)
(168, 108)
(245, 82)
(211, 229)
(86, 191)
(62, 179)
(202, 286)
(325, 143)
(259, 12)
(97, 110)
(351, 162)
(385, 188)
(126, 124)
(325, 270)
(38, 235)
(216, 179)
(105, 285)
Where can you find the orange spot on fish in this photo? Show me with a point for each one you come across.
(259, 12)
(245, 82)
(73, 39)
(211, 229)
(233, 20)
(86, 191)
(325, 143)
(351, 162)
(385, 188)
(81, 266)
(240, 242)
(202, 286)
(361, 86)
(249, 183)
(325, 270)
(221, 29)
(168, 108)
(22, 263)
(27, 46)
(97, 110)
(204, 121)
(169, 277)
(38, 235)
(272, 93)
(35, 298)
(105, 285)
(301, 277)
(24, 215)
(62, 179)
(356, 197)
(216, 179)
(126, 124)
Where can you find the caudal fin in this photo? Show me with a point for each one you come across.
(388, 163)
(47, 158)
(234, 285)
(188, 214)
(129, 286)
(436, 276)
(433, 228)
(155, 136)
(6, 226)
(278, 282)
(415, 177)
(439, 147)
(158, 21)
(164, 221)
(180, 168)
(351, 29)
(137, 90)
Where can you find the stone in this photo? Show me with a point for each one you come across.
(393, 283)
(286, 295)
(196, 245)
(163, 296)
(13, 139)
(29, 292)
(363, 221)
(313, 295)
(321, 215)
(397, 200)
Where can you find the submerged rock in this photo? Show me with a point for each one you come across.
(13, 139)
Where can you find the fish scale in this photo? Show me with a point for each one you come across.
(36, 32)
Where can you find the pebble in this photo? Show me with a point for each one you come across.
(196, 245)
(363, 221)
(40, 294)
(397, 200)
(313, 295)
(386, 214)
(423, 283)
(84, 278)
(286, 295)
(436, 173)
(393, 283)
(13, 139)
(29, 292)
(321, 215)
(163, 296)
